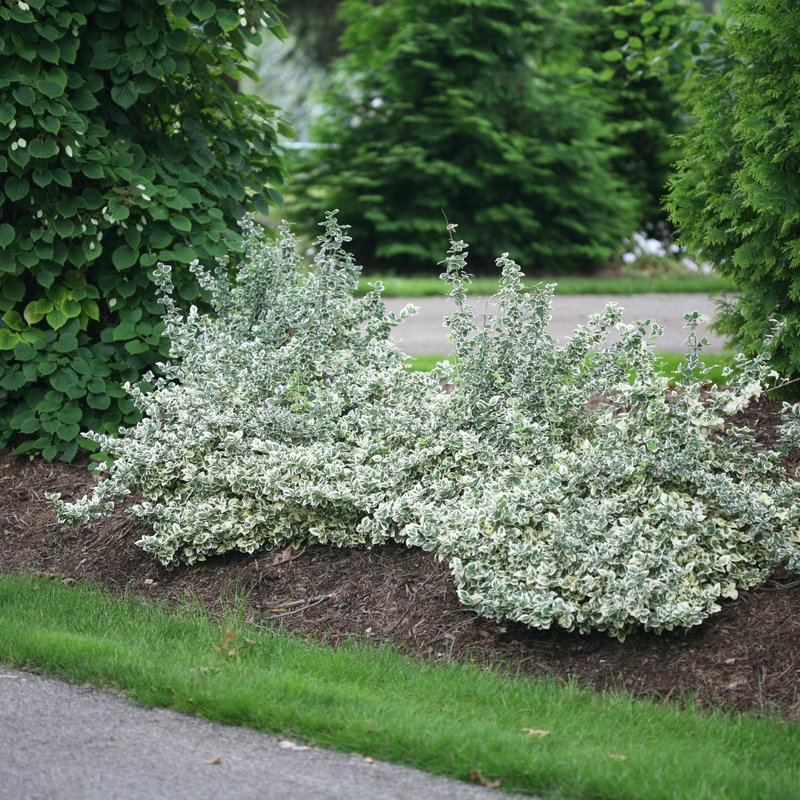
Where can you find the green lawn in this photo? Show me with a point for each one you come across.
(539, 737)
(433, 287)
(669, 364)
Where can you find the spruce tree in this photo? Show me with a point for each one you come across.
(458, 106)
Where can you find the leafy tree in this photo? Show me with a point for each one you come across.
(461, 106)
(736, 196)
(120, 145)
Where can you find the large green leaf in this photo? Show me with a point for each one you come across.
(51, 89)
(99, 401)
(7, 339)
(146, 34)
(68, 432)
(83, 100)
(16, 188)
(203, 9)
(124, 257)
(32, 316)
(181, 223)
(136, 347)
(14, 321)
(24, 352)
(104, 59)
(24, 95)
(49, 51)
(71, 308)
(125, 94)
(64, 227)
(6, 235)
(90, 308)
(57, 294)
(62, 177)
(124, 331)
(70, 415)
(93, 170)
(14, 290)
(43, 148)
(57, 319)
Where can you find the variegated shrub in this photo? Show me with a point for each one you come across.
(291, 417)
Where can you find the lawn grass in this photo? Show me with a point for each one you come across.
(425, 286)
(669, 364)
(451, 719)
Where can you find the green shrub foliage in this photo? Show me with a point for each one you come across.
(120, 144)
(461, 106)
(644, 108)
(736, 197)
(291, 417)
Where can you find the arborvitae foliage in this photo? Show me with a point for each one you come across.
(459, 106)
(737, 193)
(120, 144)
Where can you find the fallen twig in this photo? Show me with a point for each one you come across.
(413, 600)
(780, 587)
(314, 601)
(286, 556)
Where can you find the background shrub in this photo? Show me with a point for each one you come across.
(645, 110)
(122, 142)
(471, 108)
(736, 197)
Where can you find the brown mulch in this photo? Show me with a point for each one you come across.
(745, 658)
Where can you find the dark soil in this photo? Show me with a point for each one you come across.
(745, 658)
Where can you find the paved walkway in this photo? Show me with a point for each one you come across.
(63, 742)
(424, 333)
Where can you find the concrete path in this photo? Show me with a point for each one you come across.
(425, 334)
(63, 742)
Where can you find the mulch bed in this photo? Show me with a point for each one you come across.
(745, 658)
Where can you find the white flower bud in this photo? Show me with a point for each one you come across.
(24, 6)
(68, 151)
(145, 197)
(22, 143)
(241, 12)
(91, 245)
(12, 124)
(243, 22)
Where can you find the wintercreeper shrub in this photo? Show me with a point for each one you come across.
(291, 417)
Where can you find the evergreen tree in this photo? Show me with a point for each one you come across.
(644, 111)
(736, 196)
(459, 106)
